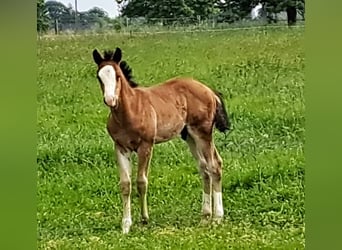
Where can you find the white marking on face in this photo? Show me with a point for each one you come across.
(218, 206)
(108, 78)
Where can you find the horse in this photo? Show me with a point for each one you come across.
(141, 117)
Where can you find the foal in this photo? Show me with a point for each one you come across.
(141, 117)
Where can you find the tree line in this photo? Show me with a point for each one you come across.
(51, 12)
(54, 14)
(227, 11)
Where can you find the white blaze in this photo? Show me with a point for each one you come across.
(108, 78)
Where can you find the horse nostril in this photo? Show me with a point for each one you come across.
(104, 101)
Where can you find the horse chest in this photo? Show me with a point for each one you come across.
(129, 135)
(127, 139)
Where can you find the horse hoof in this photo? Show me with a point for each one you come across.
(205, 220)
(144, 221)
(126, 224)
(217, 220)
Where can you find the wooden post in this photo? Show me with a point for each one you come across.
(76, 23)
(56, 27)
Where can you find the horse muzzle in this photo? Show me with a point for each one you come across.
(110, 101)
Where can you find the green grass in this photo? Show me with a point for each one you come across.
(260, 73)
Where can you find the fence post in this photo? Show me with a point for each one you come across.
(76, 21)
(56, 26)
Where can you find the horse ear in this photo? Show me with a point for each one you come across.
(117, 55)
(97, 57)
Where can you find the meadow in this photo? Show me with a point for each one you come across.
(261, 75)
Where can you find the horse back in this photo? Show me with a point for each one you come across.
(183, 101)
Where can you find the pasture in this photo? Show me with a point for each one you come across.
(261, 75)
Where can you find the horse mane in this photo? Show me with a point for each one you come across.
(127, 71)
(125, 68)
(108, 55)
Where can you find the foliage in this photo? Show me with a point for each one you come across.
(229, 11)
(168, 9)
(301, 7)
(42, 17)
(59, 11)
(94, 15)
(67, 17)
(272, 7)
(261, 75)
(165, 12)
(157, 9)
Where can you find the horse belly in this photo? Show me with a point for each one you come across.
(168, 129)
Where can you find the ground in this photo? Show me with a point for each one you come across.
(261, 75)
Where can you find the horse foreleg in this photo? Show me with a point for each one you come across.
(144, 156)
(125, 186)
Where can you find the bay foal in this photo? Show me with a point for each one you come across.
(143, 116)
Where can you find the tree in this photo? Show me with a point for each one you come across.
(291, 12)
(234, 10)
(58, 11)
(202, 8)
(168, 8)
(290, 6)
(238, 9)
(301, 8)
(42, 17)
(97, 12)
(94, 15)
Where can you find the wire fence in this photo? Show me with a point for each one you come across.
(157, 25)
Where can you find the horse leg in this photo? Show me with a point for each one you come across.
(211, 169)
(207, 191)
(144, 156)
(216, 174)
(125, 186)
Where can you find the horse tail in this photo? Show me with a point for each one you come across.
(221, 119)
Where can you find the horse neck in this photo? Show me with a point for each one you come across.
(126, 98)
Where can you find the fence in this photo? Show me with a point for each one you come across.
(152, 25)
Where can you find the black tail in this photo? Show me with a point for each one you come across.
(221, 120)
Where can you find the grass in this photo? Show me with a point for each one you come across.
(260, 73)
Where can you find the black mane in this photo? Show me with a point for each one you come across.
(108, 55)
(126, 69)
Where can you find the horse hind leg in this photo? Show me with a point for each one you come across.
(144, 157)
(206, 179)
(216, 174)
(214, 169)
(210, 164)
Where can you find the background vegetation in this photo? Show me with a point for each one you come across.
(54, 14)
(260, 73)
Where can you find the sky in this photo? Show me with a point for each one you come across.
(110, 6)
